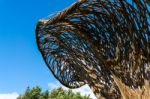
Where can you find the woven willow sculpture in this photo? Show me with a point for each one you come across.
(102, 43)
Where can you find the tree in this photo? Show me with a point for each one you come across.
(34, 93)
(102, 43)
(60, 93)
(57, 93)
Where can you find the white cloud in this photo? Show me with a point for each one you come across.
(9, 95)
(84, 90)
(53, 85)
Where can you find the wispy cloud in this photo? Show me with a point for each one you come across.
(13, 95)
(84, 90)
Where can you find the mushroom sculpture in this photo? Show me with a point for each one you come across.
(102, 43)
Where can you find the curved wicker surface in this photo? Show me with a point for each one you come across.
(92, 40)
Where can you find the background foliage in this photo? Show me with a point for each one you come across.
(57, 93)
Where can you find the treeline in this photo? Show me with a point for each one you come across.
(57, 93)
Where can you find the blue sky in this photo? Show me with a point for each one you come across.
(21, 64)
